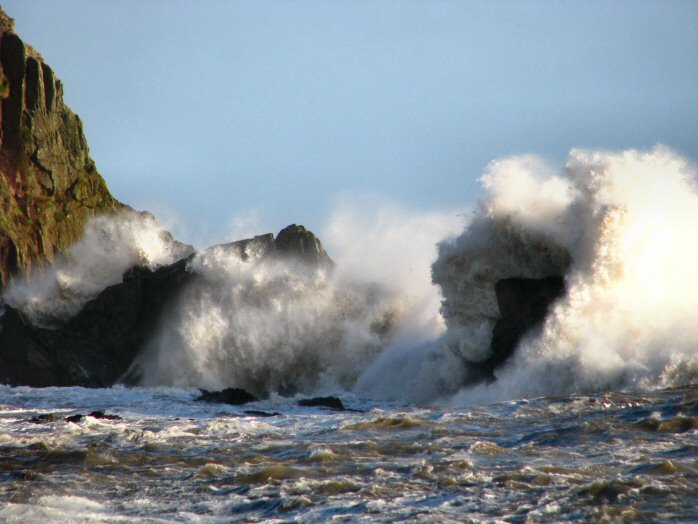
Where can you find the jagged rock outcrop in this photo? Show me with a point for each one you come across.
(296, 241)
(96, 347)
(49, 185)
(292, 242)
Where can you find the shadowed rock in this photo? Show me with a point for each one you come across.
(292, 243)
(523, 305)
(326, 402)
(97, 346)
(233, 396)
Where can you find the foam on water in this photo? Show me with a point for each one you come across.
(170, 459)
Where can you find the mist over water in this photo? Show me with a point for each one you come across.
(618, 226)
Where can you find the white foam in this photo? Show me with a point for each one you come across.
(627, 223)
(277, 325)
(111, 244)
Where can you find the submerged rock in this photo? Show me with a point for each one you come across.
(45, 418)
(78, 417)
(233, 396)
(256, 413)
(326, 402)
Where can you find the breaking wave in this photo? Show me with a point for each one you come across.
(111, 244)
(266, 324)
(617, 226)
(620, 228)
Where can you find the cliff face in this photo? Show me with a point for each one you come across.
(49, 185)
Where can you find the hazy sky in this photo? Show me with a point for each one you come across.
(210, 111)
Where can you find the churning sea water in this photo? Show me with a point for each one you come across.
(609, 456)
(594, 417)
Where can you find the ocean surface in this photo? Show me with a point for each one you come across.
(610, 456)
(594, 417)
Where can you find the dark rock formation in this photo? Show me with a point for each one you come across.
(97, 346)
(292, 242)
(78, 417)
(233, 396)
(325, 402)
(49, 185)
(296, 241)
(256, 413)
(523, 305)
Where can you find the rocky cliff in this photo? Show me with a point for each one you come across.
(49, 185)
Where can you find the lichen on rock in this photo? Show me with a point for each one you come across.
(49, 186)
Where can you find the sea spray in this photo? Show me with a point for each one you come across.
(620, 227)
(111, 244)
(277, 325)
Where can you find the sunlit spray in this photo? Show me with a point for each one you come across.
(111, 244)
(620, 227)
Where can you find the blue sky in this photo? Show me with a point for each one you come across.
(210, 111)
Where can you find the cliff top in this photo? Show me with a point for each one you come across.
(7, 25)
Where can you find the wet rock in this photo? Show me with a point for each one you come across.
(78, 417)
(103, 416)
(45, 418)
(255, 413)
(96, 347)
(297, 241)
(257, 247)
(327, 402)
(233, 396)
(292, 243)
(523, 305)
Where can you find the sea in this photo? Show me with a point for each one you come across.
(609, 456)
(593, 418)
